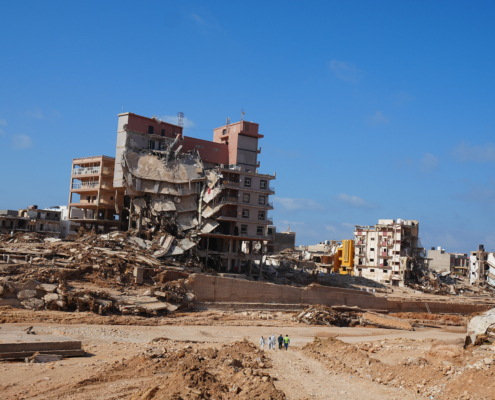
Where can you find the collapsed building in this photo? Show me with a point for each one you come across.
(482, 268)
(389, 252)
(206, 195)
(44, 222)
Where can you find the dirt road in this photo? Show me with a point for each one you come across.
(301, 377)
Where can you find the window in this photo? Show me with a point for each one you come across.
(372, 260)
(261, 215)
(246, 197)
(262, 184)
(372, 270)
(247, 182)
(270, 231)
(245, 213)
(111, 198)
(248, 170)
(384, 271)
(360, 269)
(396, 272)
(259, 231)
(151, 145)
(262, 200)
(48, 215)
(372, 249)
(372, 238)
(151, 129)
(215, 149)
(163, 132)
(224, 131)
(243, 229)
(199, 146)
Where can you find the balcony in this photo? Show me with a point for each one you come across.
(230, 183)
(228, 199)
(85, 185)
(85, 171)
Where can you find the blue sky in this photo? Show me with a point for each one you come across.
(369, 109)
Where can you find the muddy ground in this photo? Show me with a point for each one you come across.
(215, 355)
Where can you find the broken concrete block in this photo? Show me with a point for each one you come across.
(47, 287)
(26, 294)
(50, 297)
(33, 304)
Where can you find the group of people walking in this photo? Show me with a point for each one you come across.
(283, 342)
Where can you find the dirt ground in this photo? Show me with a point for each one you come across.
(215, 355)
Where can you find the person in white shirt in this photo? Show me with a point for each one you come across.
(262, 342)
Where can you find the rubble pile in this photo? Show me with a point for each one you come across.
(82, 275)
(349, 316)
(321, 315)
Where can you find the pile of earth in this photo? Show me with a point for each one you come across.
(445, 372)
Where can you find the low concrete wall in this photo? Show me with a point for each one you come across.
(209, 288)
(437, 307)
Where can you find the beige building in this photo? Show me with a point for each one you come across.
(93, 201)
(388, 252)
(441, 261)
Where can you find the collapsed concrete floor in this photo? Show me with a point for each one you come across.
(208, 355)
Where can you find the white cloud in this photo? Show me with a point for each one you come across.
(346, 71)
(428, 163)
(348, 225)
(21, 141)
(402, 98)
(354, 201)
(3, 122)
(34, 113)
(378, 118)
(476, 153)
(292, 204)
(198, 19)
(172, 119)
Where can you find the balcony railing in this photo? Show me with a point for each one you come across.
(86, 171)
(85, 185)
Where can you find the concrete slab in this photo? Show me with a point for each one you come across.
(20, 342)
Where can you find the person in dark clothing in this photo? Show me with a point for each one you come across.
(280, 342)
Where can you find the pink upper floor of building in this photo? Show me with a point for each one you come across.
(224, 149)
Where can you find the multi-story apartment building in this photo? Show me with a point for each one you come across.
(92, 192)
(389, 251)
(212, 186)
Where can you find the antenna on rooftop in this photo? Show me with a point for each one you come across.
(180, 119)
(242, 114)
(228, 123)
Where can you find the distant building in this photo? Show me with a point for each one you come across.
(281, 240)
(44, 222)
(388, 252)
(441, 261)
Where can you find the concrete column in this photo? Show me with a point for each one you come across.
(229, 261)
(130, 214)
(207, 249)
(250, 262)
(261, 261)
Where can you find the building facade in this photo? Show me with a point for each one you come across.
(441, 261)
(93, 201)
(389, 251)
